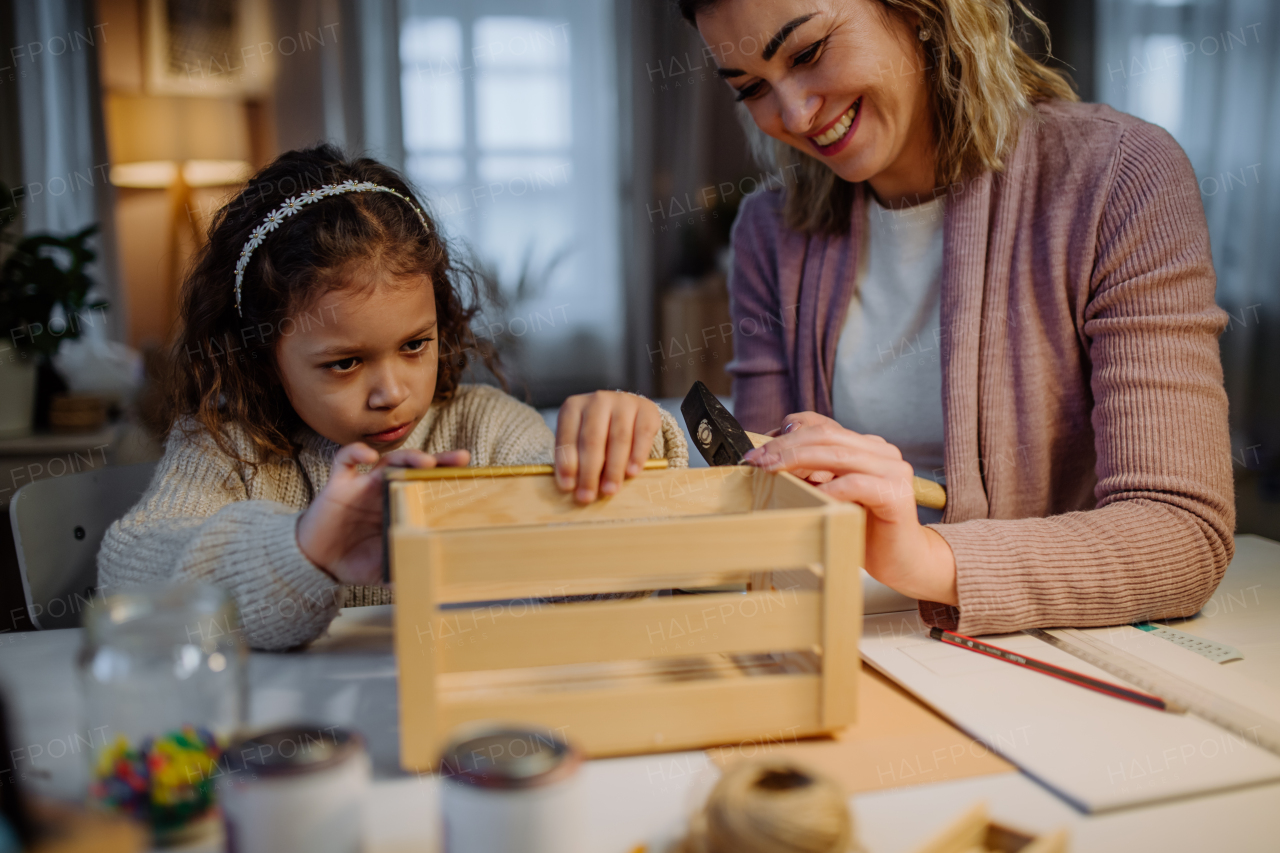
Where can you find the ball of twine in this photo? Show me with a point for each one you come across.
(772, 806)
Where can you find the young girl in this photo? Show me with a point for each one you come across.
(324, 331)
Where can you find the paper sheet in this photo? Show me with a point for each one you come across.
(1098, 752)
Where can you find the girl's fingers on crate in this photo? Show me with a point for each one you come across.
(648, 424)
(410, 458)
(593, 438)
(566, 453)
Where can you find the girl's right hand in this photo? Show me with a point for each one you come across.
(341, 532)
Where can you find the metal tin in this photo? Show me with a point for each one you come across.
(296, 789)
(512, 789)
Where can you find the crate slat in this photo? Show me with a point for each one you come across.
(780, 620)
(842, 596)
(420, 729)
(488, 502)
(770, 491)
(509, 558)
(665, 717)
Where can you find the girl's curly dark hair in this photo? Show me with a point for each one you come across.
(222, 368)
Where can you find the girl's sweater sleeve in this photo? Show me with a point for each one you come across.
(195, 523)
(670, 443)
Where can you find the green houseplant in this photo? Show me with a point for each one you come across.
(44, 298)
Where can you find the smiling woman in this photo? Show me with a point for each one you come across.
(986, 282)
(936, 91)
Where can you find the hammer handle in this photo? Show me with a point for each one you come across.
(927, 492)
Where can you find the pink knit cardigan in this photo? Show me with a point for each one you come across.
(1087, 459)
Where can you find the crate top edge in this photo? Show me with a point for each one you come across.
(816, 513)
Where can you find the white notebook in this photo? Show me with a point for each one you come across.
(1098, 752)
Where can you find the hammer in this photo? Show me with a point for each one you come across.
(722, 441)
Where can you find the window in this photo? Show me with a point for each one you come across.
(512, 141)
(1157, 95)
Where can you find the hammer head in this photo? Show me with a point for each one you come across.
(716, 433)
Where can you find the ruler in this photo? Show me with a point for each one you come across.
(1216, 652)
(1181, 694)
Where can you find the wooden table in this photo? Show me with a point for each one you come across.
(349, 678)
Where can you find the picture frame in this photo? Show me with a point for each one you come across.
(215, 48)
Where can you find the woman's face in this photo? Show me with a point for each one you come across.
(360, 363)
(840, 80)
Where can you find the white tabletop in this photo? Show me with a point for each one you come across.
(349, 678)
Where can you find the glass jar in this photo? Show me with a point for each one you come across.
(163, 672)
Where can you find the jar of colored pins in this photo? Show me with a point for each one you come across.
(162, 672)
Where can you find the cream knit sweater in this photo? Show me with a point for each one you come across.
(206, 518)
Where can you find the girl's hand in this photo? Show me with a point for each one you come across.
(602, 438)
(866, 469)
(341, 532)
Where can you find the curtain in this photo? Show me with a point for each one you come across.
(347, 91)
(63, 141)
(1208, 72)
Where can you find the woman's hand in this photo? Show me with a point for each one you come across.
(866, 469)
(601, 439)
(341, 532)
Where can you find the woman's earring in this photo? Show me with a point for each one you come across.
(924, 34)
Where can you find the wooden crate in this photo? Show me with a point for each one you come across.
(482, 568)
(975, 832)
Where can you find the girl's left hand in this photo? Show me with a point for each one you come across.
(866, 469)
(601, 439)
(341, 531)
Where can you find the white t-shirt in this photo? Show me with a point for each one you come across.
(888, 372)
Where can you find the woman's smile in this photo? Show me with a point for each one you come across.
(835, 136)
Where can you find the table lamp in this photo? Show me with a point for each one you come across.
(177, 144)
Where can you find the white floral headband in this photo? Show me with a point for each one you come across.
(293, 205)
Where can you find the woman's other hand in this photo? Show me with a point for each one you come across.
(601, 439)
(866, 469)
(341, 532)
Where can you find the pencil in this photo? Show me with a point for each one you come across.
(496, 471)
(954, 639)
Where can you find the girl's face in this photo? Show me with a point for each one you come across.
(361, 363)
(840, 80)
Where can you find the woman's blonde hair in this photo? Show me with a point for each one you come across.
(982, 84)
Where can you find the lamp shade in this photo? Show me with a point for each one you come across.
(143, 129)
